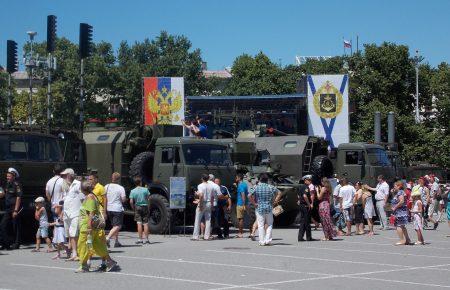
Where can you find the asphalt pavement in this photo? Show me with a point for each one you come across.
(175, 262)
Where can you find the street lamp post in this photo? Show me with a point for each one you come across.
(417, 87)
(30, 63)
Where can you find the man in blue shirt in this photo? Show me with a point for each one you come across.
(262, 197)
(241, 204)
(202, 129)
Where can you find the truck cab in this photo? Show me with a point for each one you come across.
(362, 162)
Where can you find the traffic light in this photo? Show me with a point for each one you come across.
(51, 33)
(11, 51)
(85, 48)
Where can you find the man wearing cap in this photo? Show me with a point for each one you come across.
(10, 220)
(73, 198)
(304, 202)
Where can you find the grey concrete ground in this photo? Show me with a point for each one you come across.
(356, 262)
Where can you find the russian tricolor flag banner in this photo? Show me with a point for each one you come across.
(328, 108)
(163, 101)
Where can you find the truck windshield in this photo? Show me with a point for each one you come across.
(29, 147)
(378, 156)
(206, 154)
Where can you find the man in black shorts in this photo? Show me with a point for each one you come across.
(139, 202)
(115, 196)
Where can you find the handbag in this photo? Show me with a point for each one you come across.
(98, 220)
(276, 211)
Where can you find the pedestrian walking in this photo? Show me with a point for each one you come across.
(205, 193)
(346, 195)
(381, 197)
(89, 226)
(434, 203)
(416, 211)
(115, 196)
(324, 197)
(263, 200)
(139, 203)
(10, 223)
(369, 209)
(54, 188)
(400, 211)
(304, 215)
(241, 203)
(40, 214)
(358, 202)
(223, 210)
(72, 200)
(59, 237)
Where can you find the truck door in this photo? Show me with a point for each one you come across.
(167, 164)
(354, 165)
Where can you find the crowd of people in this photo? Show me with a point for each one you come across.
(79, 209)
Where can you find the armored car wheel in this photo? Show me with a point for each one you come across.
(321, 167)
(142, 165)
(160, 214)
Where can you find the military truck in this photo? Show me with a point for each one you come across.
(145, 152)
(34, 153)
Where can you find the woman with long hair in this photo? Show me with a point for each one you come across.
(369, 209)
(324, 196)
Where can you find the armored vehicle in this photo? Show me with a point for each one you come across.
(145, 152)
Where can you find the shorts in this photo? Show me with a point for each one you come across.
(71, 227)
(432, 207)
(115, 218)
(42, 232)
(240, 212)
(141, 214)
(348, 214)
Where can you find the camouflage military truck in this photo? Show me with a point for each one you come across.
(145, 152)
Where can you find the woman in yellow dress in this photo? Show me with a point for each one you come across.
(89, 238)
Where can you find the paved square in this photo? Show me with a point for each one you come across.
(175, 262)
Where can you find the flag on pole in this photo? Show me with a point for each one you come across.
(347, 44)
(163, 101)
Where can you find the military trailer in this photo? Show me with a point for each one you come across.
(145, 152)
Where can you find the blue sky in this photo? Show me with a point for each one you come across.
(224, 30)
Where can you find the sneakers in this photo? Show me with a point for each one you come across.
(436, 224)
(147, 242)
(110, 265)
(117, 244)
(101, 268)
(139, 242)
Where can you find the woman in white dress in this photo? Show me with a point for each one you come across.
(369, 210)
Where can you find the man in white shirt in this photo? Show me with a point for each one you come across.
(205, 192)
(73, 198)
(346, 195)
(381, 197)
(115, 196)
(54, 188)
(433, 205)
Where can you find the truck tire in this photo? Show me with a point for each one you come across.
(321, 167)
(160, 214)
(142, 165)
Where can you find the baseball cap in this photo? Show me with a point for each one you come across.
(309, 177)
(13, 171)
(211, 177)
(68, 171)
(39, 199)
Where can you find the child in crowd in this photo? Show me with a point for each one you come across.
(58, 233)
(416, 211)
(40, 215)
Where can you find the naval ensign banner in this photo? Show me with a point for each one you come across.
(328, 108)
(163, 101)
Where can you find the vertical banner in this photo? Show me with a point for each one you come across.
(328, 108)
(163, 101)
